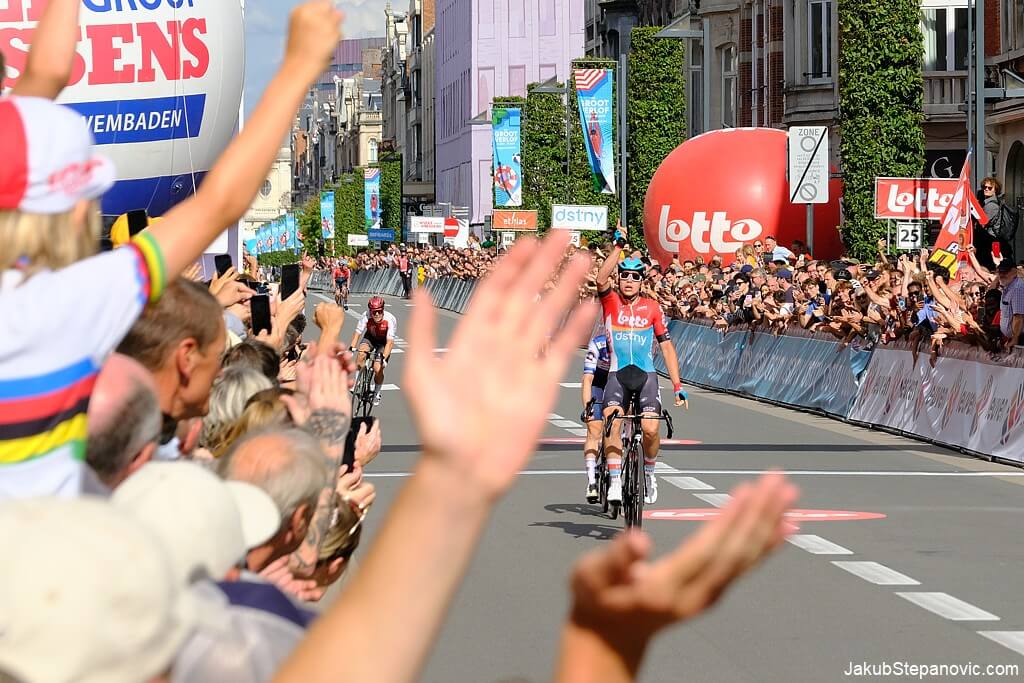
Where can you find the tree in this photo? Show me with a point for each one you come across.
(656, 112)
(881, 108)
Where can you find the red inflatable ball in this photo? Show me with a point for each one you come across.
(723, 189)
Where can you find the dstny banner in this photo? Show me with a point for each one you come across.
(508, 168)
(293, 236)
(327, 215)
(594, 89)
(371, 197)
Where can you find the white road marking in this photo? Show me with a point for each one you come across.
(688, 483)
(571, 385)
(664, 468)
(816, 545)
(555, 416)
(856, 473)
(716, 499)
(876, 573)
(397, 350)
(387, 475)
(948, 607)
(1011, 639)
(577, 432)
(389, 387)
(566, 423)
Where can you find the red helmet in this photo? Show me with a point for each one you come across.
(377, 303)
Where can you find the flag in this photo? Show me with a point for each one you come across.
(594, 88)
(956, 235)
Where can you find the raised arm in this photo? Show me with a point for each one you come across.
(604, 273)
(230, 186)
(52, 55)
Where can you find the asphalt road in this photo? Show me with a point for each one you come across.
(919, 581)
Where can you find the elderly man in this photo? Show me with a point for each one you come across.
(291, 467)
(124, 420)
(1011, 306)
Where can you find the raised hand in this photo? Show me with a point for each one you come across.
(314, 30)
(490, 395)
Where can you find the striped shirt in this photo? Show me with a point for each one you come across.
(1010, 304)
(56, 330)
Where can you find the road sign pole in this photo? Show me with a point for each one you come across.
(810, 228)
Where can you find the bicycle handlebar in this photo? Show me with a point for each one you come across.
(664, 417)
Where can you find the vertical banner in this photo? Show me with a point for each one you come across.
(280, 235)
(371, 197)
(251, 247)
(508, 168)
(327, 215)
(261, 238)
(594, 88)
(289, 227)
(268, 238)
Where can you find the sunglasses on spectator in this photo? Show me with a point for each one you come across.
(758, 244)
(631, 275)
(987, 187)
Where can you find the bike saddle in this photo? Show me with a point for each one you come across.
(631, 378)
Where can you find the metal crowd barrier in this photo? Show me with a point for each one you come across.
(447, 292)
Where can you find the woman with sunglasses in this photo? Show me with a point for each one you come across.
(1001, 226)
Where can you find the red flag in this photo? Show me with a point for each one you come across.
(956, 235)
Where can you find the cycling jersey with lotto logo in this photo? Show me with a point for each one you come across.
(632, 330)
(378, 332)
(598, 360)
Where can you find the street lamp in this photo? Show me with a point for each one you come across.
(675, 30)
(549, 87)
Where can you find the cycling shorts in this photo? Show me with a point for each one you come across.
(650, 394)
(340, 281)
(373, 344)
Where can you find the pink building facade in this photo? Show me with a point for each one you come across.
(488, 49)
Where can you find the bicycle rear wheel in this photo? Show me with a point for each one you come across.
(364, 392)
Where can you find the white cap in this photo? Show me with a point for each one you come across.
(206, 523)
(87, 594)
(49, 163)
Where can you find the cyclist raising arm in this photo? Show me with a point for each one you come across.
(634, 323)
(378, 329)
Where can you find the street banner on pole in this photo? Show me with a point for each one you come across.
(508, 168)
(268, 238)
(281, 234)
(327, 215)
(594, 89)
(290, 228)
(371, 197)
(251, 247)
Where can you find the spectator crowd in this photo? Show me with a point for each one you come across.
(178, 485)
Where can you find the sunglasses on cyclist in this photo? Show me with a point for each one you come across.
(631, 275)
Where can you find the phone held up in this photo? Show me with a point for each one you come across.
(349, 457)
(223, 263)
(259, 305)
(289, 280)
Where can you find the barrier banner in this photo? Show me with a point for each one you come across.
(508, 168)
(965, 402)
(371, 197)
(594, 89)
(799, 370)
(327, 215)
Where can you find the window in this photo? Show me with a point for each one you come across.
(266, 188)
(695, 88)
(1013, 25)
(372, 152)
(819, 40)
(728, 86)
(946, 41)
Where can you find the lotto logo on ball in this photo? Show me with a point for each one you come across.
(716, 234)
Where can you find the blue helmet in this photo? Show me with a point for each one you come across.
(633, 264)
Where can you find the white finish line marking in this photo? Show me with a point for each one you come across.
(877, 574)
(716, 499)
(688, 483)
(1011, 639)
(572, 385)
(816, 545)
(948, 607)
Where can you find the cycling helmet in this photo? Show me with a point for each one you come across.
(376, 303)
(633, 264)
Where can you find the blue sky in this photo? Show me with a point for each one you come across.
(266, 26)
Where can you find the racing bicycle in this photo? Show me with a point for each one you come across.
(634, 482)
(601, 470)
(362, 392)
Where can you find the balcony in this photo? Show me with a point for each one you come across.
(945, 93)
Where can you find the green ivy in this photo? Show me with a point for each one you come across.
(656, 112)
(543, 153)
(581, 184)
(308, 220)
(391, 194)
(881, 108)
(348, 210)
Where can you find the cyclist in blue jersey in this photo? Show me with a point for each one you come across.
(634, 323)
(595, 375)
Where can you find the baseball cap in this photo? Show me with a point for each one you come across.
(1005, 266)
(49, 164)
(746, 268)
(843, 274)
(784, 274)
(89, 596)
(207, 523)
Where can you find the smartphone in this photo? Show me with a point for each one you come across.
(259, 305)
(349, 456)
(289, 280)
(747, 300)
(137, 221)
(223, 263)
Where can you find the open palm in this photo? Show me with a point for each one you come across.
(480, 409)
